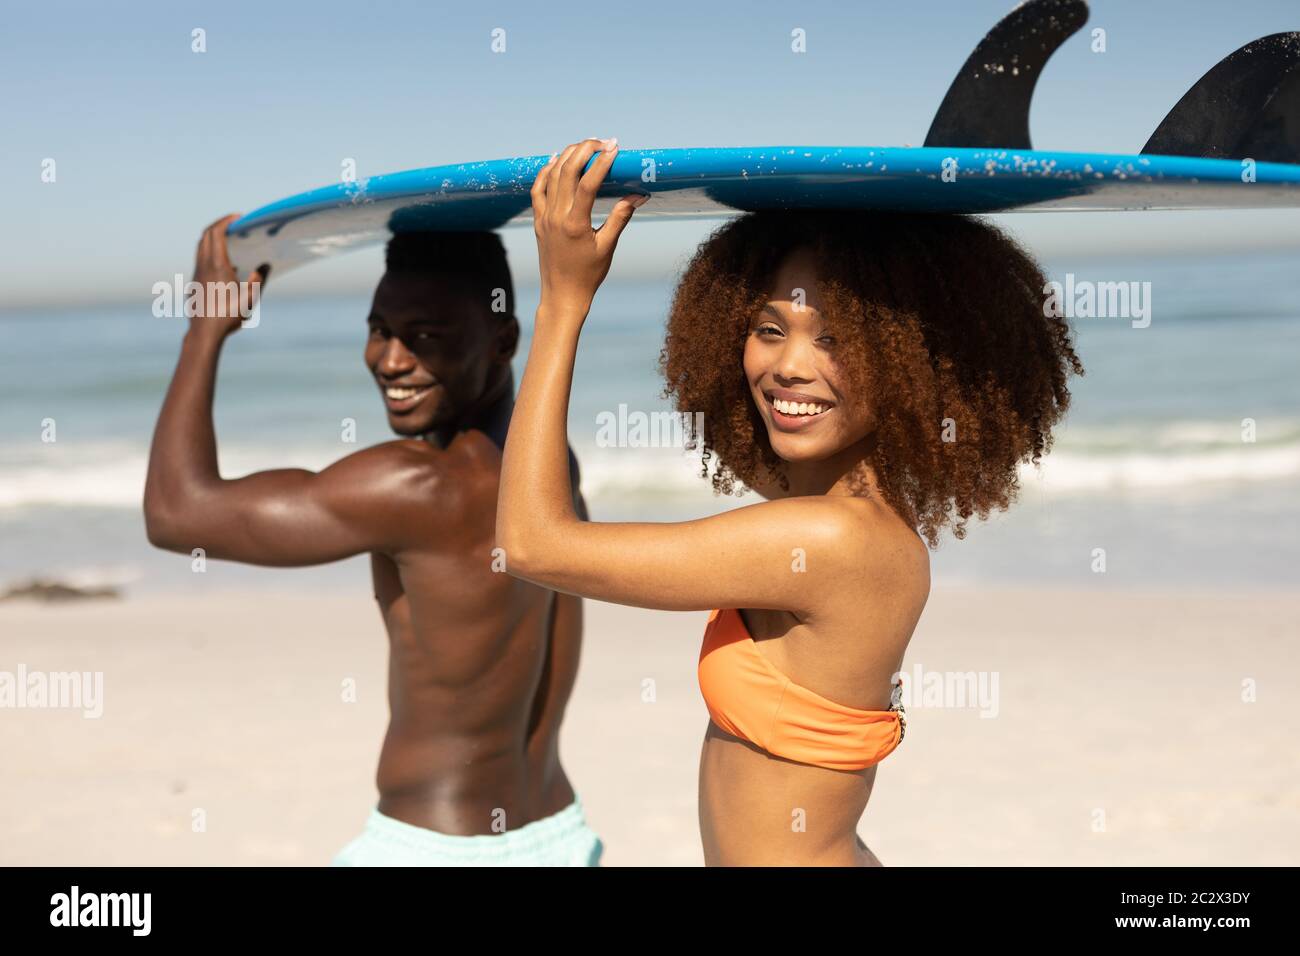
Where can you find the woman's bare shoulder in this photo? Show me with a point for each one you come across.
(883, 544)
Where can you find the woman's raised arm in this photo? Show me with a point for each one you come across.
(782, 554)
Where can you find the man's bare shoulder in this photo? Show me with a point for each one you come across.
(468, 449)
(414, 472)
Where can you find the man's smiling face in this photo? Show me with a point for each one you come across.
(432, 347)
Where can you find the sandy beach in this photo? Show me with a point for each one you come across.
(1112, 729)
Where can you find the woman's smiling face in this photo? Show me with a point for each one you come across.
(811, 410)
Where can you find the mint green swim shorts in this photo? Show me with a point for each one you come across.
(562, 839)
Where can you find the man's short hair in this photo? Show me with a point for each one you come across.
(477, 258)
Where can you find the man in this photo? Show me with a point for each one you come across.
(481, 663)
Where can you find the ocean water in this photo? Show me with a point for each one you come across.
(1150, 467)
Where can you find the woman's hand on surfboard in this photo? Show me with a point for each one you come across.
(573, 257)
(225, 301)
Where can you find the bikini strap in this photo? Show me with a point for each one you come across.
(896, 704)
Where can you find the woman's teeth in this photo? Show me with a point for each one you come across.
(798, 408)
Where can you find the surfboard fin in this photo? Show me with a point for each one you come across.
(1248, 105)
(988, 102)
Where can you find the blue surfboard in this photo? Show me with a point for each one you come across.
(977, 158)
(709, 183)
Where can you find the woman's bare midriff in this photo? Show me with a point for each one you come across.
(760, 810)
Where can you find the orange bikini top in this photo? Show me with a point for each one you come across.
(749, 698)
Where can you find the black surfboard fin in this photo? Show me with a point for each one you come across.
(988, 102)
(1248, 105)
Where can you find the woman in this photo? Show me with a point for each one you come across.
(877, 378)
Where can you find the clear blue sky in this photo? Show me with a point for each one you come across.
(153, 141)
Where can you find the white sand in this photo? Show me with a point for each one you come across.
(1121, 736)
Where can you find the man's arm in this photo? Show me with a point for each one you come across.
(372, 501)
(286, 517)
